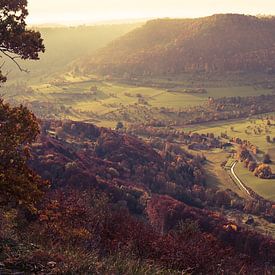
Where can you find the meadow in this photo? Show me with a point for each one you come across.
(263, 187)
(89, 98)
(244, 129)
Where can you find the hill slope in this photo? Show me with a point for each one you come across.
(119, 205)
(219, 43)
(66, 44)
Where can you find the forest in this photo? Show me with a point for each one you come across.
(105, 172)
(174, 46)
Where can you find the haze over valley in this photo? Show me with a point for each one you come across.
(137, 146)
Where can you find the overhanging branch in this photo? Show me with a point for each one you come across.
(13, 58)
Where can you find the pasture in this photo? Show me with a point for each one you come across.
(76, 94)
(244, 129)
(265, 188)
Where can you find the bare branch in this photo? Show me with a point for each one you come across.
(13, 58)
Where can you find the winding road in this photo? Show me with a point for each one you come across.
(242, 186)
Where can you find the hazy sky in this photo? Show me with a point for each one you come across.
(90, 11)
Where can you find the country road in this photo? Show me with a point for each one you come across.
(238, 179)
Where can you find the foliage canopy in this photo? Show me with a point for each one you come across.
(16, 41)
(18, 126)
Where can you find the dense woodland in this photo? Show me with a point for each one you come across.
(118, 184)
(218, 43)
(132, 179)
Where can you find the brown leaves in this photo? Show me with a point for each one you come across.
(18, 183)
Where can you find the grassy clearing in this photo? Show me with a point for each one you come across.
(75, 92)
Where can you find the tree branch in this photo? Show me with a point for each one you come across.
(13, 58)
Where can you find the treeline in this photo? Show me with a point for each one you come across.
(157, 136)
(131, 169)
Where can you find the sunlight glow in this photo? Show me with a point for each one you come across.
(92, 11)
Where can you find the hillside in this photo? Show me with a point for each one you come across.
(66, 44)
(219, 43)
(119, 184)
(144, 208)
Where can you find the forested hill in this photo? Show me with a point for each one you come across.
(218, 43)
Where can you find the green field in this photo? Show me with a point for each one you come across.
(74, 92)
(238, 130)
(265, 188)
(216, 176)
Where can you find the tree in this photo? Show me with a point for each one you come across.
(18, 126)
(268, 139)
(16, 41)
(266, 159)
(252, 166)
(18, 183)
(263, 171)
(243, 154)
(119, 125)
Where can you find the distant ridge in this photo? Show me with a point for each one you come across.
(217, 43)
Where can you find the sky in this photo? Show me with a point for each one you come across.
(73, 12)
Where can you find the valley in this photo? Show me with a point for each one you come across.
(90, 98)
(144, 148)
(105, 102)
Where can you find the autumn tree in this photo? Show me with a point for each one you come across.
(119, 125)
(263, 171)
(18, 126)
(243, 154)
(16, 41)
(18, 183)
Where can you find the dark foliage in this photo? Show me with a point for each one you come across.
(16, 41)
(217, 43)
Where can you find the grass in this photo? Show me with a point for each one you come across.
(238, 130)
(75, 93)
(265, 188)
(216, 176)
